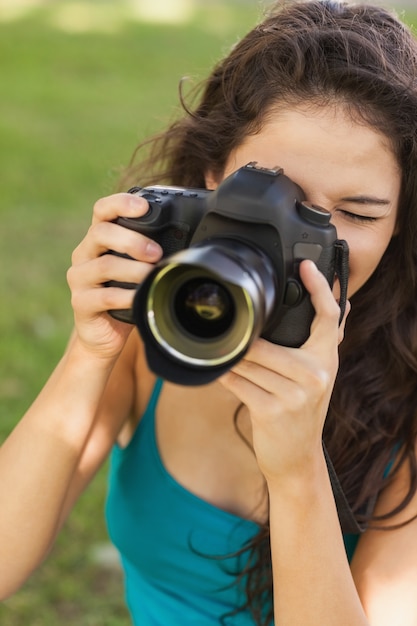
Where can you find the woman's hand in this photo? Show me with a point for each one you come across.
(91, 268)
(287, 390)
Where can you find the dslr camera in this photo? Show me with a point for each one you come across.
(229, 272)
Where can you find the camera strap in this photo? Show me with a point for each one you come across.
(342, 272)
(348, 522)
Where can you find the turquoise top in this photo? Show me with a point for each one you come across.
(176, 549)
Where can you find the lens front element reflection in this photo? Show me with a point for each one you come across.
(198, 317)
(204, 308)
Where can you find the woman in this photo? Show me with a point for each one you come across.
(220, 500)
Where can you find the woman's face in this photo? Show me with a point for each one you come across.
(343, 166)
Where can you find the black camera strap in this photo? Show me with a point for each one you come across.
(348, 522)
(342, 272)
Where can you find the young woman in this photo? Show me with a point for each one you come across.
(220, 500)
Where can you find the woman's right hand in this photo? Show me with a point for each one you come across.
(91, 268)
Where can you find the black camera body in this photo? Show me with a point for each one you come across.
(229, 271)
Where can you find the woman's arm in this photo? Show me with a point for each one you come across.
(287, 392)
(39, 459)
(64, 436)
(313, 585)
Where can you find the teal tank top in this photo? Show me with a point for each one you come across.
(178, 552)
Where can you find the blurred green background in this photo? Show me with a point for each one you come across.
(80, 84)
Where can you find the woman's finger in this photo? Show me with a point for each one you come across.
(95, 273)
(277, 359)
(284, 372)
(342, 326)
(277, 382)
(324, 328)
(101, 300)
(117, 205)
(105, 236)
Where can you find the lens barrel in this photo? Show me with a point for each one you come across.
(201, 308)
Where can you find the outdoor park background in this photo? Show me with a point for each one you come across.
(80, 84)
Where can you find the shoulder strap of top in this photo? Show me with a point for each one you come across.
(154, 397)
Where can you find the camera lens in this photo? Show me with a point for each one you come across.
(195, 317)
(199, 310)
(204, 308)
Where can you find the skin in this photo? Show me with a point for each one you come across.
(342, 166)
(104, 385)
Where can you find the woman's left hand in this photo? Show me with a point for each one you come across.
(287, 390)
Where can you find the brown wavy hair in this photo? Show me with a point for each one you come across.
(363, 58)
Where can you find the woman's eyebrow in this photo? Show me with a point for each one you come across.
(367, 200)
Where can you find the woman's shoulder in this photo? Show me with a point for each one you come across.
(386, 556)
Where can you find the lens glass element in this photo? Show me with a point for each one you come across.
(197, 317)
(204, 308)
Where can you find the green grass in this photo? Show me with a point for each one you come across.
(72, 109)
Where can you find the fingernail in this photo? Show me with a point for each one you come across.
(153, 250)
(136, 203)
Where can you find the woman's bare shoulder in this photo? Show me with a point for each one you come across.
(385, 563)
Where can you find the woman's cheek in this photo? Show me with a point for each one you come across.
(363, 261)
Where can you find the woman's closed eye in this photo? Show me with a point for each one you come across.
(380, 205)
(357, 217)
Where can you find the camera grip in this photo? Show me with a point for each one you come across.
(293, 328)
(172, 236)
